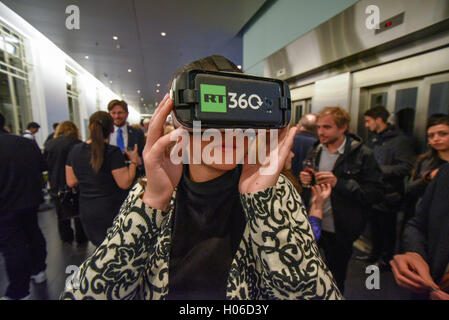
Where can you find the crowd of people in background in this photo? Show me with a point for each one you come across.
(371, 186)
(349, 186)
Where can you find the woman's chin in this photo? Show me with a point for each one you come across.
(223, 166)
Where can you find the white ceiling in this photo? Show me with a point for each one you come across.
(194, 28)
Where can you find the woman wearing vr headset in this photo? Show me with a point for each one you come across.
(207, 231)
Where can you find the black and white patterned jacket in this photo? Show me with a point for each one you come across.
(277, 257)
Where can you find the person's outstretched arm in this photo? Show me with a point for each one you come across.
(282, 248)
(116, 268)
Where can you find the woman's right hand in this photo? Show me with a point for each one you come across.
(162, 175)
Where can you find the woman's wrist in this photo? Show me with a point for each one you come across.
(155, 201)
(316, 213)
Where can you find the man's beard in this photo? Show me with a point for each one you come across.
(331, 141)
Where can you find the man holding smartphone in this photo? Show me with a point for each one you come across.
(342, 160)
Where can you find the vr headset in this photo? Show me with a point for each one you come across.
(230, 99)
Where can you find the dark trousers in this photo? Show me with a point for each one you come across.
(65, 227)
(23, 247)
(383, 235)
(337, 253)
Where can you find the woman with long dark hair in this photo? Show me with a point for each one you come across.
(427, 164)
(56, 152)
(102, 175)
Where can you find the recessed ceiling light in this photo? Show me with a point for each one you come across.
(115, 37)
(157, 90)
(141, 99)
(129, 70)
(138, 91)
(163, 34)
(86, 57)
(158, 84)
(117, 46)
(240, 67)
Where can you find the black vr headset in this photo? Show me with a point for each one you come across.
(230, 99)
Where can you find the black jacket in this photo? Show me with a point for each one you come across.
(416, 186)
(301, 145)
(56, 153)
(21, 167)
(136, 136)
(394, 154)
(358, 185)
(427, 233)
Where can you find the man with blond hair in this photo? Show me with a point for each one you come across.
(341, 159)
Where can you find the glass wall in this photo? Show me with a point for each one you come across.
(14, 88)
(73, 96)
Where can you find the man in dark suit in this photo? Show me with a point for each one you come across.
(124, 136)
(21, 241)
(424, 266)
(304, 140)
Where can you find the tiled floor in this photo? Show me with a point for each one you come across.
(60, 256)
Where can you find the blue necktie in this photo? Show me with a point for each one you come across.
(120, 141)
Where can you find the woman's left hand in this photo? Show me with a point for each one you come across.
(256, 177)
(321, 193)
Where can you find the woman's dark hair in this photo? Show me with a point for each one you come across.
(210, 63)
(101, 126)
(290, 176)
(434, 120)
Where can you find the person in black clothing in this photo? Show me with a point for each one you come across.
(342, 160)
(423, 268)
(102, 175)
(21, 241)
(428, 163)
(304, 140)
(56, 152)
(51, 135)
(394, 154)
(2, 124)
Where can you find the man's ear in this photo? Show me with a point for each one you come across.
(379, 121)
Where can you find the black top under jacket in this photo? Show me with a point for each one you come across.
(207, 229)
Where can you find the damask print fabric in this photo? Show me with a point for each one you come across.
(277, 257)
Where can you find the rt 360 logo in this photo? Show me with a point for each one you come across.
(213, 99)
